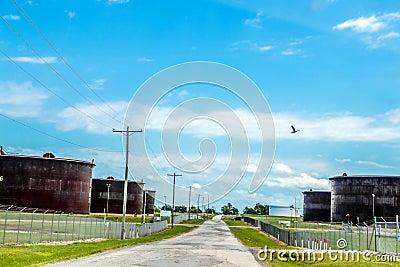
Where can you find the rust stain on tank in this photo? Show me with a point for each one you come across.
(99, 195)
(45, 182)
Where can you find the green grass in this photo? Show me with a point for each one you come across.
(274, 220)
(191, 221)
(236, 223)
(254, 238)
(41, 254)
(118, 218)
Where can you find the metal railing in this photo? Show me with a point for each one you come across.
(183, 217)
(26, 225)
(382, 236)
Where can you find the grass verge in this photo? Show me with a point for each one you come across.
(192, 221)
(39, 255)
(254, 238)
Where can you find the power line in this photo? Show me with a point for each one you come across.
(52, 68)
(127, 133)
(47, 88)
(54, 137)
(147, 143)
(60, 56)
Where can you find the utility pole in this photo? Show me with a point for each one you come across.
(144, 206)
(208, 202)
(173, 199)
(190, 193)
(202, 205)
(108, 184)
(198, 204)
(165, 202)
(127, 132)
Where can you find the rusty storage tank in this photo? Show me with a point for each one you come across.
(98, 201)
(317, 206)
(150, 197)
(45, 182)
(358, 196)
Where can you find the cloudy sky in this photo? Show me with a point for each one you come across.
(330, 67)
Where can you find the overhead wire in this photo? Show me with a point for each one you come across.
(147, 143)
(50, 90)
(53, 136)
(54, 93)
(61, 57)
(52, 68)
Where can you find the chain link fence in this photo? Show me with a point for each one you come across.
(26, 225)
(382, 236)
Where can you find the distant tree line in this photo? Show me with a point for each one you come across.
(258, 209)
(183, 209)
(229, 209)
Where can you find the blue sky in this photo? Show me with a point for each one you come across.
(329, 67)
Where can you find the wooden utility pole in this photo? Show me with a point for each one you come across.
(173, 199)
(127, 132)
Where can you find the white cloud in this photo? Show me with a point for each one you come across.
(255, 22)
(361, 24)
(339, 127)
(249, 45)
(343, 160)
(302, 181)
(21, 100)
(389, 35)
(110, 2)
(70, 119)
(264, 48)
(393, 116)
(364, 162)
(70, 14)
(35, 60)
(374, 164)
(99, 83)
(376, 30)
(252, 168)
(282, 168)
(291, 52)
(207, 125)
(12, 17)
(145, 59)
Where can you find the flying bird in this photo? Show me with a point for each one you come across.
(294, 129)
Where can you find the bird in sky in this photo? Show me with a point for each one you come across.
(294, 129)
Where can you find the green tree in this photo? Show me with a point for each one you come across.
(211, 211)
(166, 207)
(181, 209)
(248, 210)
(229, 209)
(234, 211)
(193, 209)
(260, 209)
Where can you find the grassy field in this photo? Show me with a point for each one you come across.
(357, 240)
(296, 222)
(38, 255)
(256, 239)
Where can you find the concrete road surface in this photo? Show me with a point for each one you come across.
(211, 244)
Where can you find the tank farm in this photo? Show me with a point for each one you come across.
(66, 185)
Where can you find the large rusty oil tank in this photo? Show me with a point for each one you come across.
(45, 182)
(150, 197)
(361, 196)
(115, 196)
(317, 206)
